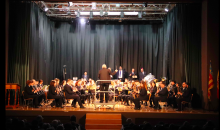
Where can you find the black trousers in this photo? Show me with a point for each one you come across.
(179, 100)
(172, 100)
(35, 99)
(104, 87)
(157, 99)
(76, 99)
(58, 100)
(152, 100)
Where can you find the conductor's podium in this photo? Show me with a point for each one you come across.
(103, 121)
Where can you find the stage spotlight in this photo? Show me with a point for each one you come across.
(122, 14)
(68, 13)
(82, 21)
(139, 14)
(93, 5)
(91, 15)
(101, 13)
(78, 14)
(166, 9)
(106, 13)
(46, 9)
(70, 4)
(117, 5)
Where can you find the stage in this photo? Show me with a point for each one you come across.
(138, 116)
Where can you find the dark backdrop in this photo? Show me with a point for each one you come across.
(39, 47)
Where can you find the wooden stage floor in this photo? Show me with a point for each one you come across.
(138, 116)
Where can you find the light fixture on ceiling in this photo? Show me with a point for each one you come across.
(139, 14)
(82, 21)
(166, 9)
(122, 14)
(93, 5)
(46, 9)
(78, 14)
(117, 5)
(70, 4)
(91, 15)
(106, 13)
(68, 12)
(101, 13)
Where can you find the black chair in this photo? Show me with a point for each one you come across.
(185, 102)
(27, 99)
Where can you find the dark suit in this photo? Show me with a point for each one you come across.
(171, 98)
(71, 95)
(162, 95)
(104, 74)
(53, 95)
(29, 94)
(153, 90)
(85, 77)
(141, 75)
(132, 74)
(143, 96)
(186, 96)
(123, 75)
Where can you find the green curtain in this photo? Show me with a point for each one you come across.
(39, 47)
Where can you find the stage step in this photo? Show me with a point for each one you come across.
(103, 121)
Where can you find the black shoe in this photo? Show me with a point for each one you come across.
(151, 106)
(82, 106)
(136, 108)
(74, 106)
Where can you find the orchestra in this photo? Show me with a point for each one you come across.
(135, 89)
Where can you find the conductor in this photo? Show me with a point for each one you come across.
(104, 74)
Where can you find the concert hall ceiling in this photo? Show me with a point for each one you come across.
(141, 11)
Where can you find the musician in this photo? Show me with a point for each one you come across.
(40, 86)
(53, 94)
(111, 71)
(38, 91)
(104, 74)
(185, 95)
(71, 93)
(153, 90)
(30, 92)
(172, 90)
(80, 85)
(133, 73)
(121, 74)
(162, 95)
(85, 76)
(141, 75)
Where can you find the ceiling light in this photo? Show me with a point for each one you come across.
(91, 14)
(166, 9)
(46, 9)
(78, 14)
(117, 5)
(106, 14)
(101, 12)
(139, 14)
(93, 5)
(82, 21)
(122, 14)
(70, 3)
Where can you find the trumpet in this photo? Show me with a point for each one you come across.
(178, 95)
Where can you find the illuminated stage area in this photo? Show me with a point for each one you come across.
(138, 116)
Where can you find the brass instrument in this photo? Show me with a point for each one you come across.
(178, 95)
(156, 94)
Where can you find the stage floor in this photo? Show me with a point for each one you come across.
(138, 116)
